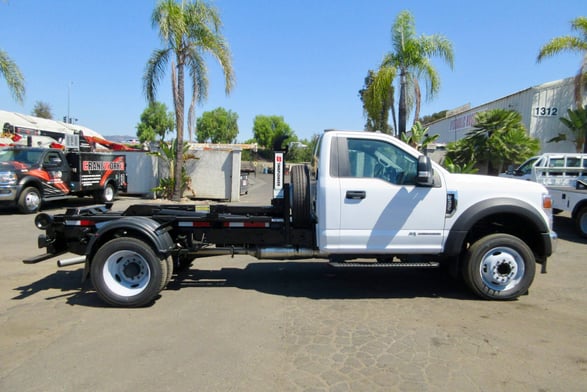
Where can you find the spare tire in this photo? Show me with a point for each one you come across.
(301, 212)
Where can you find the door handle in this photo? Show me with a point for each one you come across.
(356, 195)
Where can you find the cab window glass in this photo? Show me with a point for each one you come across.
(53, 159)
(379, 159)
(526, 168)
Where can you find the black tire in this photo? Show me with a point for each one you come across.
(499, 267)
(127, 272)
(29, 200)
(581, 222)
(105, 195)
(300, 197)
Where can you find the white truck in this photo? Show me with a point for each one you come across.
(565, 177)
(573, 200)
(368, 200)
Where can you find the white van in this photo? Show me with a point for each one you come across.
(552, 169)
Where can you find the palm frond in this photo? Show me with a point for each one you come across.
(154, 72)
(11, 73)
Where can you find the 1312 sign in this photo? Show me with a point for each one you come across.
(545, 111)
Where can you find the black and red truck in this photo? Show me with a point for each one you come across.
(31, 175)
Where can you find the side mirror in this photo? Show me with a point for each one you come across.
(425, 172)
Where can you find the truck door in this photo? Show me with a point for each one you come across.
(58, 174)
(382, 210)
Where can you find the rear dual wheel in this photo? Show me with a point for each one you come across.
(127, 272)
(105, 195)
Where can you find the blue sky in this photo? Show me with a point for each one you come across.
(304, 60)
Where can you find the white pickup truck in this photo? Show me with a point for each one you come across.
(368, 200)
(565, 177)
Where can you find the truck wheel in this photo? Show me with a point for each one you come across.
(300, 200)
(581, 222)
(127, 272)
(29, 201)
(105, 195)
(499, 267)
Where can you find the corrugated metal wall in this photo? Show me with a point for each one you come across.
(540, 106)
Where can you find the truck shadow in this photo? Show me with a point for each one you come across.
(319, 280)
(565, 229)
(308, 279)
(70, 286)
(54, 206)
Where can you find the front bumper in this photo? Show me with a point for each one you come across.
(8, 193)
(553, 241)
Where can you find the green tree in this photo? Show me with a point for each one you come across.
(410, 57)
(167, 152)
(155, 121)
(377, 98)
(572, 44)
(14, 79)
(468, 168)
(190, 30)
(498, 139)
(433, 117)
(577, 124)
(42, 110)
(266, 130)
(419, 137)
(218, 126)
(302, 151)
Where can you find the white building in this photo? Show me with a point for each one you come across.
(540, 106)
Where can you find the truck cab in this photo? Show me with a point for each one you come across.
(26, 174)
(376, 196)
(30, 175)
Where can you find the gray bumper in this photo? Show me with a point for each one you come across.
(8, 193)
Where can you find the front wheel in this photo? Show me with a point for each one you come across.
(499, 267)
(29, 200)
(127, 272)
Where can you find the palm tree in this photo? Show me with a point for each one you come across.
(190, 30)
(411, 57)
(498, 138)
(377, 97)
(573, 44)
(419, 137)
(577, 124)
(9, 70)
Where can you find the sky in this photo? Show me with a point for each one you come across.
(304, 60)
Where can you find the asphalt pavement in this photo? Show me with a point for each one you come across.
(240, 324)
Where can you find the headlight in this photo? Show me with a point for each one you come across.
(8, 178)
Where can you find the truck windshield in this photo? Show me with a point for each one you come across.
(526, 167)
(24, 156)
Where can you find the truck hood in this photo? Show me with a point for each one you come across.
(473, 188)
(492, 185)
(14, 166)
